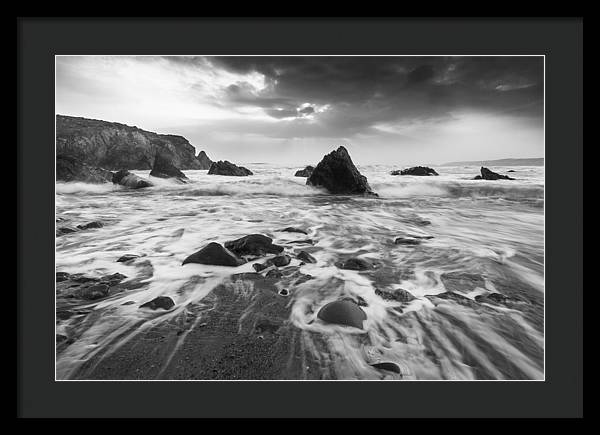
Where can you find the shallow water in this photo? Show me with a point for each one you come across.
(488, 236)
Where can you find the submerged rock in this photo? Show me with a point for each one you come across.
(69, 168)
(216, 255)
(62, 276)
(486, 174)
(89, 225)
(227, 168)
(127, 257)
(293, 230)
(306, 172)
(338, 175)
(162, 302)
(164, 168)
(65, 230)
(416, 170)
(343, 312)
(253, 244)
(399, 295)
(259, 267)
(355, 264)
(407, 241)
(306, 257)
(127, 179)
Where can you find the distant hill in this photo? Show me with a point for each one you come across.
(537, 161)
(116, 146)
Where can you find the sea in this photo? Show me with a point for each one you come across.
(476, 238)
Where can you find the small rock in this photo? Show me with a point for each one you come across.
(253, 244)
(214, 254)
(274, 273)
(163, 302)
(388, 366)
(65, 230)
(89, 225)
(127, 257)
(399, 295)
(62, 276)
(355, 264)
(279, 260)
(127, 179)
(259, 267)
(343, 312)
(293, 230)
(227, 168)
(416, 170)
(407, 241)
(486, 174)
(306, 172)
(306, 257)
(284, 292)
(94, 292)
(128, 303)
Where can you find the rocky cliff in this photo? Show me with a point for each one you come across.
(117, 146)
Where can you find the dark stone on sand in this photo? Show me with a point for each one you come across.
(62, 276)
(387, 366)
(253, 244)
(416, 170)
(511, 170)
(399, 295)
(227, 168)
(163, 302)
(306, 172)
(486, 174)
(355, 264)
(279, 260)
(337, 173)
(407, 241)
(293, 230)
(127, 257)
(127, 179)
(306, 257)
(69, 168)
(89, 225)
(214, 254)
(343, 312)
(164, 168)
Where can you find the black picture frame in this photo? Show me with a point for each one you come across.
(560, 40)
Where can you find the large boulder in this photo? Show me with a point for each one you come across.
(216, 255)
(338, 175)
(69, 168)
(416, 170)
(163, 168)
(203, 160)
(306, 172)
(127, 179)
(253, 245)
(227, 168)
(486, 174)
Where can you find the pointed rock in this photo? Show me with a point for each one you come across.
(338, 175)
(216, 255)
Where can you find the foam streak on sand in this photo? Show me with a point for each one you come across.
(475, 239)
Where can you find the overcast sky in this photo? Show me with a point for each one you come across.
(292, 110)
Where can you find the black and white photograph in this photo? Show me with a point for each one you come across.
(300, 218)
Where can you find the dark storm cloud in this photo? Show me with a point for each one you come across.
(360, 92)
